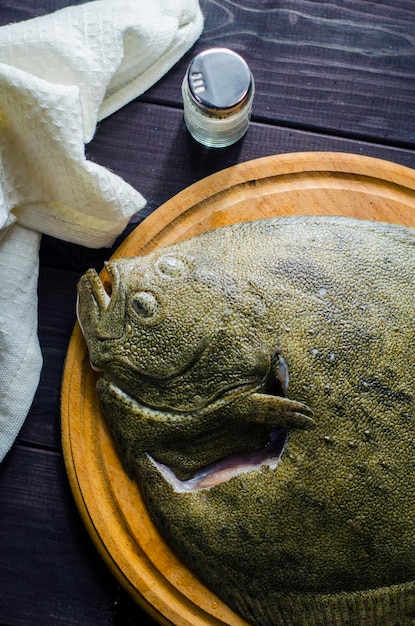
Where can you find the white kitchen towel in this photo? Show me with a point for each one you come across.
(59, 75)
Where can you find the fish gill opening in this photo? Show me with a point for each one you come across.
(239, 462)
(223, 470)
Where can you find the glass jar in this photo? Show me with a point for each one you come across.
(218, 89)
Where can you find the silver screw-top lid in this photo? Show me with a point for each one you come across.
(219, 81)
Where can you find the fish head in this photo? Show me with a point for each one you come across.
(179, 378)
(146, 317)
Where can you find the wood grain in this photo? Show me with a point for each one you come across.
(109, 502)
(346, 68)
(165, 159)
(43, 548)
(343, 68)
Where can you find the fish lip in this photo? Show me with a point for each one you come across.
(224, 396)
(86, 290)
(96, 295)
(90, 285)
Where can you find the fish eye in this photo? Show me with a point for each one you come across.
(172, 266)
(145, 304)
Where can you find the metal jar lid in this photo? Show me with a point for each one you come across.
(219, 81)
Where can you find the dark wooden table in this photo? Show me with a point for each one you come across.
(332, 76)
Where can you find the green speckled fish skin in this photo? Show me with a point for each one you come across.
(190, 347)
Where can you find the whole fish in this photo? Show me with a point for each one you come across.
(259, 380)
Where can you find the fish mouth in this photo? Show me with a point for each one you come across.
(101, 285)
(92, 288)
(229, 467)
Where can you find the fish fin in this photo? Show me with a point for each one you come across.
(277, 411)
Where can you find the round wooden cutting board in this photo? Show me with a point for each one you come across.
(109, 502)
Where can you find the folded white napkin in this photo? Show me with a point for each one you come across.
(59, 75)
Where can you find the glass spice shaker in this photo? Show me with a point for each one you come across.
(218, 89)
